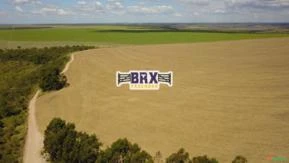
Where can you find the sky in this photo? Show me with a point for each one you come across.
(142, 11)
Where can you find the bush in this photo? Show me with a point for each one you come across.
(53, 80)
(240, 159)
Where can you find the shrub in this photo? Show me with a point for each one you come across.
(53, 80)
(240, 159)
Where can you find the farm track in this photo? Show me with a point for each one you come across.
(34, 138)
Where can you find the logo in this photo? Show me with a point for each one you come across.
(144, 80)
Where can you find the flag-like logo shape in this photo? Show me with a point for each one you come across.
(144, 79)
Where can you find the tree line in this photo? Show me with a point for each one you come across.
(62, 143)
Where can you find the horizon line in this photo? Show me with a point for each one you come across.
(134, 23)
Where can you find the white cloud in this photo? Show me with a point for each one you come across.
(237, 4)
(201, 7)
(178, 14)
(19, 2)
(98, 5)
(81, 2)
(204, 10)
(258, 4)
(52, 11)
(196, 2)
(219, 11)
(19, 9)
(62, 12)
(161, 9)
(85, 7)
(114, 5)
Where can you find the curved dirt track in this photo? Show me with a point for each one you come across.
(34, 139)
(68, 64)
(229, 98)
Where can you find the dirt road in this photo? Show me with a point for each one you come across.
(68, 64)
(34, 138)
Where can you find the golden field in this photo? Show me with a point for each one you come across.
(228, 98)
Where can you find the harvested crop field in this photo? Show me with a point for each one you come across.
(228, 99)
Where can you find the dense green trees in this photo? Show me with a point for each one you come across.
(124, 151)
(52, 80)
(22, 71)
(39, 56)
(62, 143)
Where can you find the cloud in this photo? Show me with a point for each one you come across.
(85, 7)
(195, 2)
(19, 9)
(81, 2)
(62, 12)
(220, 11)
(98, 5)
(161, 9)
(175, 10)
(259, 4)
(178, 14)
(114, 5)
(20, 2)
(52, 11)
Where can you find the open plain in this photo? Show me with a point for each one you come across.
(228, 98)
